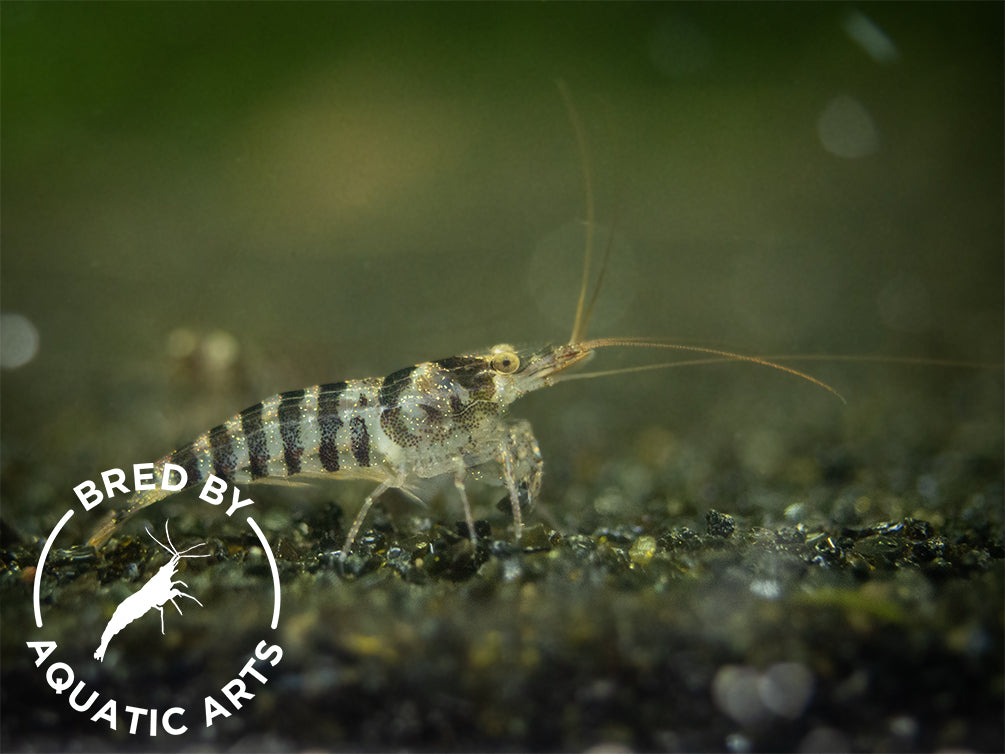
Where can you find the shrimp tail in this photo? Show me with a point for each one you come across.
(137, 501)
(119, 620)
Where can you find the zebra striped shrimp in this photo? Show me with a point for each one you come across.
(442, 417)
(447, 416)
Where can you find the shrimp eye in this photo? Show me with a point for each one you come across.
(505, 362)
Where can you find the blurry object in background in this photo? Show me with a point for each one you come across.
(18, 340)
(846, 128)
(207, 360)
(870, 37)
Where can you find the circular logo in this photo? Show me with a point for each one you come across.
(164, 589)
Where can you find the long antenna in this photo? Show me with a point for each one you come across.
(579, 324)
(711, 352)
(169, 549)
(172, 548)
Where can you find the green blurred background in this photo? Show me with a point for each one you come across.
(207, 203)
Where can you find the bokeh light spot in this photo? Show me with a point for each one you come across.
(18, 340)
(866, 34)
(846, 128)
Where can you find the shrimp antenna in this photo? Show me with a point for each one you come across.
(167, 533)
(713, 355)
(583, 309)
(172, 548)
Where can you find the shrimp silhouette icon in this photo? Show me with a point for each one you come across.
(160, 589)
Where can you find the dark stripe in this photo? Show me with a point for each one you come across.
(289, 429)
(359, 441)
(397, 428)
(254, 435)
(329, 423)
(433, 414)
(393, 386)
(222, 449)
(186, 458)
(470, 373)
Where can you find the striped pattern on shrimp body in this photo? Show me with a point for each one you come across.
(416, 421)
(325, 428)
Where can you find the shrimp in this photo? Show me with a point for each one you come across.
(447, 416)
(161, 588)
(441, 417)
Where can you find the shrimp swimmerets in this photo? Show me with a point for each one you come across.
(160, 589)
(440, 417)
